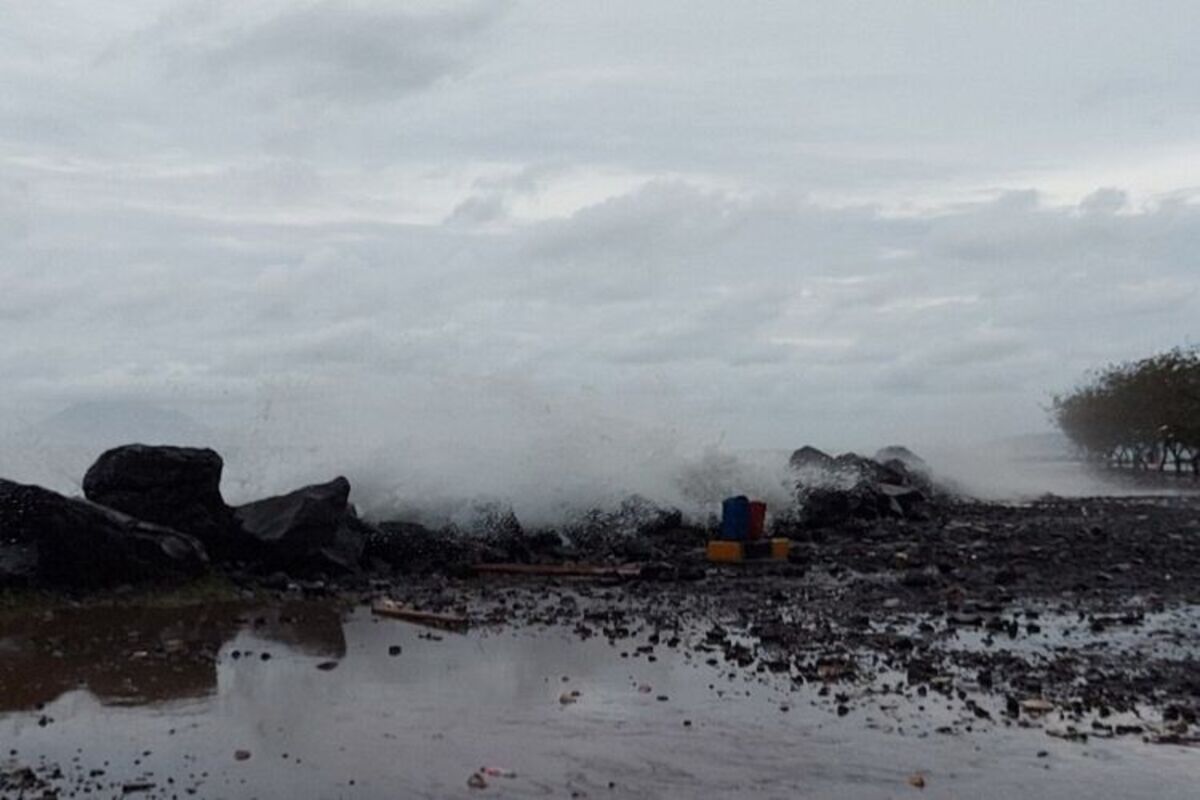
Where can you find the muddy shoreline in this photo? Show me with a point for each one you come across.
(1075, 619)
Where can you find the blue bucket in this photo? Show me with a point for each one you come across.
(735, 518)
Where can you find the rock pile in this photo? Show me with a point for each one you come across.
(637, 530)
(852, 488)
(156, 512)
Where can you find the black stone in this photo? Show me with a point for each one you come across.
(84, 545)
(179, 487)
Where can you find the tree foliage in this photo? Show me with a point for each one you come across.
(1143, 414)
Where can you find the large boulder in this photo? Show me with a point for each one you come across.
(899, 457)
(79, 544)
(825, 506)
(311, 529)
(851, 469)
(853, 488)
(809, 457)
(18, 550)
(18, 564)
(179, 487)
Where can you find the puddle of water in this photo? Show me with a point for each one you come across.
(158, 697)
(1170, 634)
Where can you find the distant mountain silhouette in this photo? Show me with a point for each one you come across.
(108, 423)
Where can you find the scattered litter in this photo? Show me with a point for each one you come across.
(1180, 739)
(1036, 705)
(131, 788)
(561, 570)
(390, 608)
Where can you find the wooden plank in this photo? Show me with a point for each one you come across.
(390, 608)
(561, 570)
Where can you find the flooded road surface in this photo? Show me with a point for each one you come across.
(305, 700)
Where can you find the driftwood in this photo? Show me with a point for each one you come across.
(390, 608)
(561, 570)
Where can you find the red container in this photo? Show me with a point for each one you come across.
(758, 519)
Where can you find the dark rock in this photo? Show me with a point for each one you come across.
(543, 545)
(312, 528)
(410, 547)
(828, 506)
(349, 542)
(496, 535)
(22, 511)
(912, 463)
(18, 564)
(179, 487)
(659, 571)
(637, 530)
(809, 457)
(1006, 576)
(853, 468)
(18, 532)
(492, 521)
(854, 488)
(83, 545)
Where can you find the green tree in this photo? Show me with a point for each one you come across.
(1142, 414)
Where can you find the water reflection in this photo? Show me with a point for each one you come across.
(135, 656)
(407, 714)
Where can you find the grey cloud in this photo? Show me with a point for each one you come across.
(1104, 201)
(479, 209)
(794, 223)
(339, 53)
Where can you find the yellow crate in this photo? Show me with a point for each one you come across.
(780, 549)
(719, 550)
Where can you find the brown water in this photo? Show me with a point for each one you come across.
(157, 700)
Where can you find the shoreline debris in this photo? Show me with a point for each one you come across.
(390, 608)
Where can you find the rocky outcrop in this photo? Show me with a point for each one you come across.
(311, 529)
(179, 487)
(65, 541)
(809, 457)
(900, 458)
(852, 488)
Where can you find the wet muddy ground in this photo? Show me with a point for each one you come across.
(1049, 650)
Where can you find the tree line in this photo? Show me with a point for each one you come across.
(1141, 415)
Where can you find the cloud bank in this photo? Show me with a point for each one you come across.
(546, 244)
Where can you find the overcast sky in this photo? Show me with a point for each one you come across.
(760, 223)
